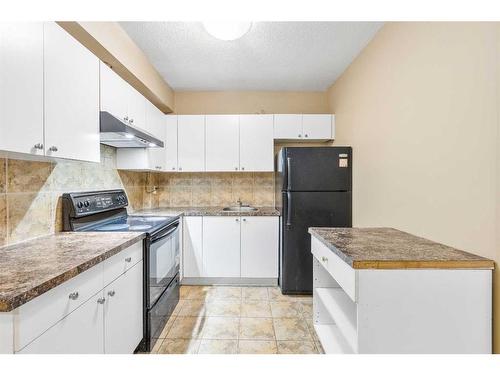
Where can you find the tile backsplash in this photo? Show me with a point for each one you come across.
(30, 191)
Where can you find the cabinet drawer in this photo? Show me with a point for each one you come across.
(343, 274)
(121, 262)
(38, 315)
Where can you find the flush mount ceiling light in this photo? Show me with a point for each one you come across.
(227, 30)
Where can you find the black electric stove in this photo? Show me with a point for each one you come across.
(105, 211)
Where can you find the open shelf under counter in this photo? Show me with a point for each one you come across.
(332, 340)
(334, 305)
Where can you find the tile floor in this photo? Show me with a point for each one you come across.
(244, 320)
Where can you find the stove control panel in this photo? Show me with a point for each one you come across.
(82, 204)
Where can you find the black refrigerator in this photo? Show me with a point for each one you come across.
(313, 189)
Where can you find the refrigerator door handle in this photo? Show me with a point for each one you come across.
(289, 173)
(289, 210)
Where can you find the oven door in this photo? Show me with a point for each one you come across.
(164, 259)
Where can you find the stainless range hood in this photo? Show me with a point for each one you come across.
(117, 133)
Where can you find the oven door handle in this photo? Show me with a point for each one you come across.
(155, 239)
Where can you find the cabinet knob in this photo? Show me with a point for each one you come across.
(306, 136)
(235, 168)
(244, 219)
(125, 118)
(101, 300)
(53, 149)
(173, 168)
(237, 220)
(242, 168)
(111, 293)
(131, 121)
(38, 146)
(128, 259)
(73, 296)
(180, 168)
(300, 135)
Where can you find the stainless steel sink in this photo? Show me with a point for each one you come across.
(240, 209)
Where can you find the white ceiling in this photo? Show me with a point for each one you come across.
(288, 56)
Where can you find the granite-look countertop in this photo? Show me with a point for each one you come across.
(388, 248)
(205, 211)
(31, 268)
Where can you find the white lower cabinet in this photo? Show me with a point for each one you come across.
(230, 247)
(192, 247)
(80, 316)
(259, 239)
(123, 312)
(78, 333)
(221, 246)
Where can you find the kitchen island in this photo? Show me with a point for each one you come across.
(380, 290)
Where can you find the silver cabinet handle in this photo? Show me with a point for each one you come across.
(173, 168)
(242, 168)
(180, 168)
(300, 135)
(38, 146)
(128, 260)
(125, 118)
(237, 220)
(111, 293)
(53, 149)
(324, 259)
(101, 300)
(73, 296)
(244, 219)
(306, 135)
(235, 168)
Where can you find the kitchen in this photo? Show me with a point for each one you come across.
(186, 213)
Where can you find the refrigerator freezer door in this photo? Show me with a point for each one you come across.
(302, 210)
(315, 168)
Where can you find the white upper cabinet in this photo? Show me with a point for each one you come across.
(155, 121)
(21, 87)
(71, 95)
(191, 143)
(136, 108)
(222, 143)
(114, 93)
(256, 143)
(304, 127)
(171, 143)
(287, 126)
(317, 126)
(221, 246)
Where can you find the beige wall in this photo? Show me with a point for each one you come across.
(248, 102)
(420, 108)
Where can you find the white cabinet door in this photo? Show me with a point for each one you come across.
(288, 126)
(154, 121)
(81, 332)
(222, 143)
(259, 246)
(192, 247)
(21, 87)
(113, 92)
(71, 95)
(317, 126)
(171, 143)
(123, 312)
(256, 143)
(191, 143)
(136, 108)
(221, 246)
